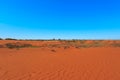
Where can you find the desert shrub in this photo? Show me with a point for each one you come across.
(10, 45)
(82, 41)
(77, 47)
(116, 45)
(73, 40)
(17, 45)
(97, 43)
(53, 50)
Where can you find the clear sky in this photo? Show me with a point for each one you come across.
(65, 19)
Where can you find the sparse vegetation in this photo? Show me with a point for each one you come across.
(17, 45)
(82, 41)
(62, 43)
(11, 46)
(116, 45)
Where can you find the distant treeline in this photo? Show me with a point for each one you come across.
(74, 40)
(7, 39)
(32, 39)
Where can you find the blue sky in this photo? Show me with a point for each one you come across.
(65, 19)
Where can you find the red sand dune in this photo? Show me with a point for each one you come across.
(60, 64)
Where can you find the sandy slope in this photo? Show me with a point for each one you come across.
(61, 64)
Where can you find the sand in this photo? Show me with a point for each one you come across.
(100, 63)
